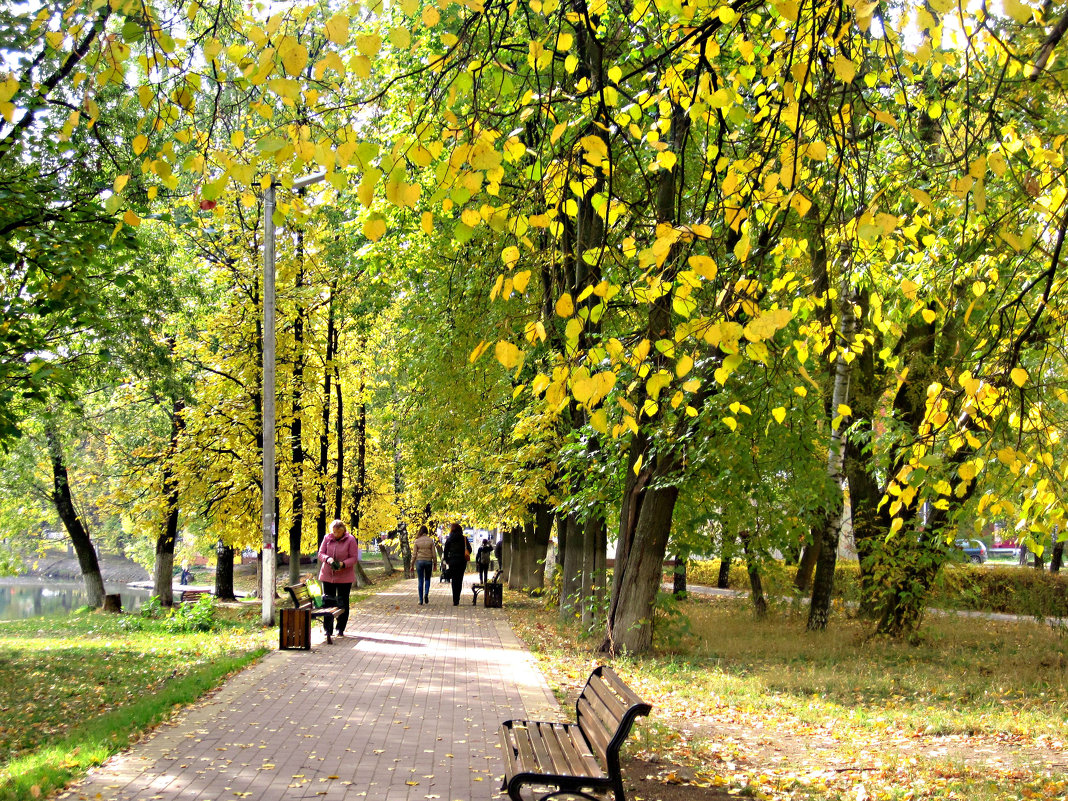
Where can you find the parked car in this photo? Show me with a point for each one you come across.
(1007, 547)
(974, 550)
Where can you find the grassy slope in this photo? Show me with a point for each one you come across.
(725, 686)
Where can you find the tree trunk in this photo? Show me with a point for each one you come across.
(387, 559)
(645, 525)
(678, 575)
(594, 537)
(296, 523)
(571, 568)
(823, 582)
(163, 566)
(224, 572)
(805, 568)
(362, 579)
(63, 501)
(756, 587)
(324, 432)
(1057, 556)
(339, 429)
(726, 554)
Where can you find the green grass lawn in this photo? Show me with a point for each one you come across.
(76, 689)
(739, 701)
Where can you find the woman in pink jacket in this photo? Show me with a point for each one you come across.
(337, 571)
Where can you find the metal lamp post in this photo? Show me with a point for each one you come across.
(270, 528)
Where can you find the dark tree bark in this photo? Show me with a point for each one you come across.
(678, 575)
(1057, 555)
(571, 568)
(594, 543)
(324, 431)
(63, 501)
(807, 566)
(224, 572)
(339, 469)
(723, 580)
(296, 523)
(163, 566)
(756, 586)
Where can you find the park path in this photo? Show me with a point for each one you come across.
(405, 708)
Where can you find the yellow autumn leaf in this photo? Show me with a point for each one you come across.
(479, 350)
(1019, 376)
(704, 266)
(666, 160)
(427, 222)
(779, 413)
(120, 183)
(337, 29)
(1020, 12)
(684, 365)
(369, 44)
(507, 354)
(565, 307)
(374, 229)
(599, 421)
(131, 218)
(400, 38)
(966, 471)
(520, 281)
(431, 17)
(928, 315)
(510, 256)
(731, 423)
(140, 144)
(844, 69)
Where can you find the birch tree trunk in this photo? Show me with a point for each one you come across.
(823, 580)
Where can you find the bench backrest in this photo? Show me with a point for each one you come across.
(301, 595)
(605, 712)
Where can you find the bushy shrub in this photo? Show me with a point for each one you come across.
(980, 588)
(199, 616)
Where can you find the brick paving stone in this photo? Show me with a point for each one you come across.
(405, 708)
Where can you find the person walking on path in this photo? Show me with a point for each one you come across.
(482, 561)
(337, 571)
(498, 552)
(456, 553)
(425, 556)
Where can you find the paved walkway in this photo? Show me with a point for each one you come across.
(405, 708)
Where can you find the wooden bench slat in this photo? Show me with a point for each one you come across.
(615, 705)
(538, 742)
(579, 753)
(524, 748)
(508, 746)
(630, 697)
(557, 758)
(596, 734)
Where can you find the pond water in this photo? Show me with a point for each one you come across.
(22, 598)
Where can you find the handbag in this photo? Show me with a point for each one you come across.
(445, 573)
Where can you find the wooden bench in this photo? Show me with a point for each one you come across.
(303, 601)
(192, 596)
(574, 758)
(477, 588)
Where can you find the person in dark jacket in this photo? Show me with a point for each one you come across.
(455, 555)
(482, 560)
